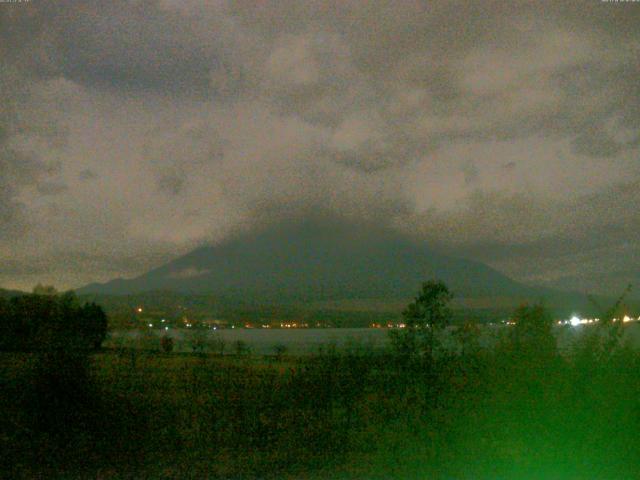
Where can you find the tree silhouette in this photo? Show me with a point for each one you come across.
(47, 320)
(424, 318)
(94, 324)
(166, 342)
(532, 335)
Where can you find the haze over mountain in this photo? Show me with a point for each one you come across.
(311, 260)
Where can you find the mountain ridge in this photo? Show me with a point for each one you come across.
(317, 261)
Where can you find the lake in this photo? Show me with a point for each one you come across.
(301, 341)
(305, 341)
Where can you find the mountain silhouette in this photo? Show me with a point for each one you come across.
(316, 260)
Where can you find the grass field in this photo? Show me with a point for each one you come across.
(352, 414)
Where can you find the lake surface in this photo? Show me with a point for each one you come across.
(302, 341)
(305, 341)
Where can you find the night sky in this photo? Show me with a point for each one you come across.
(133, 132)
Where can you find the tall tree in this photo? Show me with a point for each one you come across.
(94, 324)
(424, 319)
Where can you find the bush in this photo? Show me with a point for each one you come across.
(166, 342)
(279, 350)
(218, 344)
(241, 347)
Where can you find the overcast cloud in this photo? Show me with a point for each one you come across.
(131, 132)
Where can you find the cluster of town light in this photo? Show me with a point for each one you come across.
(576, 320)
(151, 326)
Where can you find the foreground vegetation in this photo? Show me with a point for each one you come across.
(521, 410)
(46, 320)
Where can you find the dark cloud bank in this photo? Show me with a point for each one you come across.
(507, 132)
